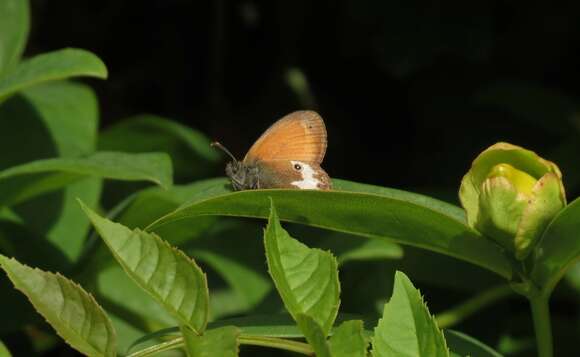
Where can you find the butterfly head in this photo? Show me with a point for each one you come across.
(242, 176)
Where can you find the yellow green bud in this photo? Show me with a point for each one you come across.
(523, 182)
(510, 195)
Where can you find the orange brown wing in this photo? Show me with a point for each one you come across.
(298, 136)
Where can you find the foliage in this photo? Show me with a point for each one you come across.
(98, 240)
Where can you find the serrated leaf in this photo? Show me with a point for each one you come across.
(407, 328)
(61, 64)
(14, 27)
(306, 279)
(348, 340)
(363, 210)
(71, 311)
(172, 278)
(221, 342)
(20, 183)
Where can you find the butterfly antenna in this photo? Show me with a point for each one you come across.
(223, 148)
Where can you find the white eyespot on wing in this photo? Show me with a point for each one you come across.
(308, 180)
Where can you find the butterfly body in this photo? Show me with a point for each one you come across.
(287, 155)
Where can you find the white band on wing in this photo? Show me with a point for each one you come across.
(308, 180)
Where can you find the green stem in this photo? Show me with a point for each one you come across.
(161, 347)
(279, 343)
(461, 312)
(541, 316)
(264, 341)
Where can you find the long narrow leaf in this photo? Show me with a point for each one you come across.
(20, 183)
(65, 63)
(14, 27)
(466, 345)
(363, 210)
(190, 149)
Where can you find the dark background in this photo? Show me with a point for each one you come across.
(410, 91)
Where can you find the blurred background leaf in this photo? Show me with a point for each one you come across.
(189, 149)
(410, 93)
(14, 27)
(62, 64)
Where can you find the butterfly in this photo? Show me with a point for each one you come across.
(287, 155)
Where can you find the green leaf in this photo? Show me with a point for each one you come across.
(172, 278)
(231, 250)
(131, 300)
(307, 279)
(274, 325)
(73, 313)
(314, 335)
(250, 286)
(4, 352)
(59, 117)
(219, 342)
(558, 248)
(189, 149)
(268, 326)
(61, 64)
(348, 340)
(154, 202)
(126, 333)
(20, 183)
(407, 328)
(271, 325)
(14, 27)
(465, 345)
(367, 249)
(442, 207)
(68, 114)
(365, 210)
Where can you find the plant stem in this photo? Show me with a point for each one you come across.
(161, 347)
(264, 341)
(279, 343)
(459, 313)
(541, 316)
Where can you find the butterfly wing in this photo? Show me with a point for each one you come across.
(292, 174)
(299, 136)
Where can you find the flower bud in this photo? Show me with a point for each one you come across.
(510, 194)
